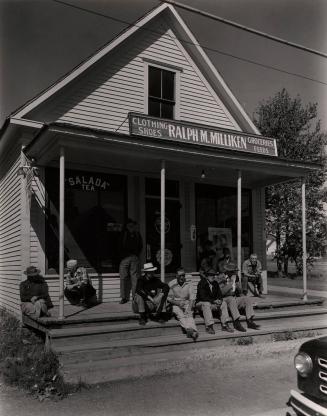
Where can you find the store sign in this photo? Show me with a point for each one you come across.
(141, 125)
(87, 182)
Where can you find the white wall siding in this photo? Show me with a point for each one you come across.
(10, 231)
(103, 97)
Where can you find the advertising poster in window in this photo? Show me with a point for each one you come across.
(221, 238)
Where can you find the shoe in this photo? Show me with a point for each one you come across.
(189, 332)
(261, 296)
(195, 335)
(252, 324)
(210, 329)
(227, 328)
(142, 321)
(239, 327)
(123, 300)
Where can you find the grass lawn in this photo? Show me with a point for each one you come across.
(317, 276)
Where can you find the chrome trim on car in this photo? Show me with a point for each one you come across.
(323, 375)
(323, 389)
(322, 362)
(319, 410)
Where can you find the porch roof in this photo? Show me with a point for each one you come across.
(98, 148)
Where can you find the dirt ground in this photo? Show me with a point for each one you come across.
(233, 381)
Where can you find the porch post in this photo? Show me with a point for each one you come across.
(162, 221)
(239, 223)
(61, 231)
(304, 243)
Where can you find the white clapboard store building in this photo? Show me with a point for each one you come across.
(145, 126)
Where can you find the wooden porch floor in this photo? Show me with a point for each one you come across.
(114, 310)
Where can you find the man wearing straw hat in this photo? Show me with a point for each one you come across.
(151, 295)
(34, 294)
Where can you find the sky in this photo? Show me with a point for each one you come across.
(42, 40)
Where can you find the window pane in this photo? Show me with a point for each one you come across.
(95, 207)
(154, 108)
(152, 188)
(154, 82)
(167, 110)
(168, 85)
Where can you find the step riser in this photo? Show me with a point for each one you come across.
(110, 355)
(110, 336)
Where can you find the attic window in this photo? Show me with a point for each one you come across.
(161, 100)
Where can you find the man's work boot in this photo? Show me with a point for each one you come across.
(142, 319)
(210, 329)
(252, 324)
(226, 328)
(238, 326)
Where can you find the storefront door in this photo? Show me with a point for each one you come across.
(172, 233)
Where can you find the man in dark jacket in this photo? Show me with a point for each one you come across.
(151, 295)
(34, 294)
(129, 268)
(210, 299)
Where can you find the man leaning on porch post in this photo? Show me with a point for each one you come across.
(239, 226)
(61, 231)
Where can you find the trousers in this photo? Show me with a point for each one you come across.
(207, 308)
(142, 306)
(36, 309)
(256, 281)
(129, 271)
(235, 304)
(185, 317)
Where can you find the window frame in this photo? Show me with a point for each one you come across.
(177, 72)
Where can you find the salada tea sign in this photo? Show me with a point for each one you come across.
(145, 126)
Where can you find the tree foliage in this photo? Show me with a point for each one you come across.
(299, 137)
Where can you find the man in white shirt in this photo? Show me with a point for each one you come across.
(182, 297)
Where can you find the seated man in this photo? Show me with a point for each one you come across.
(252, 273)
(223, 260)
(207, 263)
(209, 299)
(78, 286)
(182, 297)
(34, 294)
(151, 295)
(229, 287)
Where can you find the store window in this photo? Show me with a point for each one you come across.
(95, 209)
(216, 220)
(161, 100)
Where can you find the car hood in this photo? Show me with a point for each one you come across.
(315, 345)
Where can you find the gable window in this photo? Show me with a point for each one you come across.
(161, 100)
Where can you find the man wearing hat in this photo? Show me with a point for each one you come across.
(230, 289)
(34, 294)
(78, 285)
(209, 299)
(129, 268)
(182, 297)
(151, 295)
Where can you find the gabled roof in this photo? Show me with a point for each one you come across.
(190, 43)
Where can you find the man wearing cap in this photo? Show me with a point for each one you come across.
(182, 297)
(151, 295)
(210, 299)
(252, 273)
(129, 268)
(78, 285)
(34, 294)
(230, 290)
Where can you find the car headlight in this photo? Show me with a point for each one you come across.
(303, 364)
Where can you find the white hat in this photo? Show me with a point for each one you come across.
(149, 267)
(71, 263)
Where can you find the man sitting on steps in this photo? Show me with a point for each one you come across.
(209, 299)
(182, 297)
(151, 295)
(231, 291)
